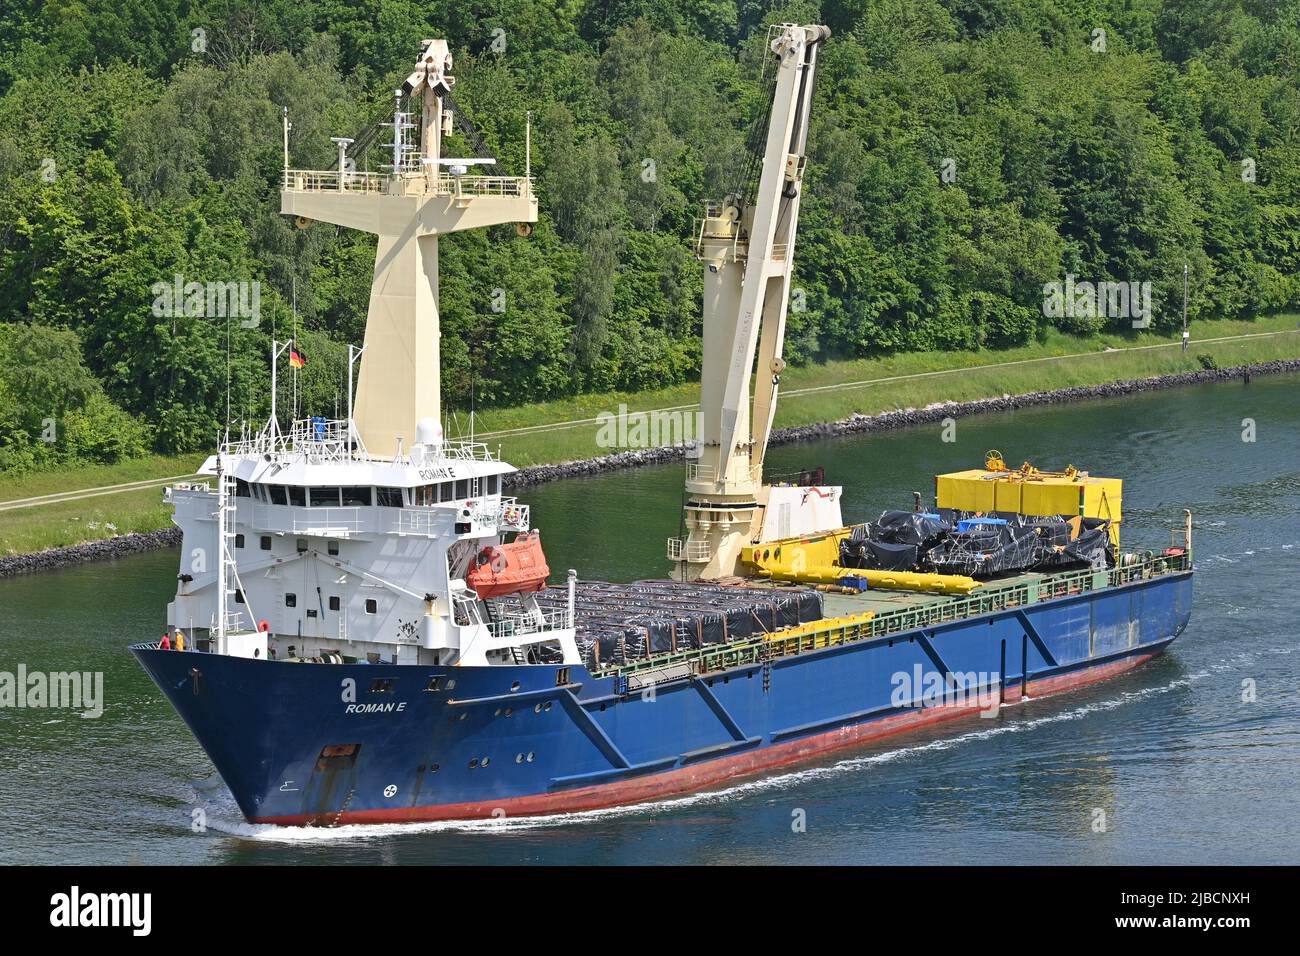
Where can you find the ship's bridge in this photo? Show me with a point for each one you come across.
(316, 481)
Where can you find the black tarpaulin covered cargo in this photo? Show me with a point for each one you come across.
(896, 541)
(978, 545)
(1020, 543)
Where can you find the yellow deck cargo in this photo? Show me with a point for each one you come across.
(1028, 491)
(815, 561)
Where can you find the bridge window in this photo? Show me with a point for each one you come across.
(241, 488)
(462, 488)
(297, 496)
(324, 497)
(291, 600)
(332, 547)
(424, 495)
(266, 542)
(356, 497)
(372, 606)
(388, 497)
(493, 484)
(278, 496)
(446, 491)
(239, 541)
(334, 602)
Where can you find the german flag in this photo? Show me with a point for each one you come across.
(296, 358)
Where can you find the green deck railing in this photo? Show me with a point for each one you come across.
(990, 598)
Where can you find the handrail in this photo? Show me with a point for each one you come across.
(698, 471)
(322, 440)
(405, 184)
(684, 549)
(523, 622)
(327, 180)
(770, 646)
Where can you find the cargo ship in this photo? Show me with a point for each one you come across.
(366, 628)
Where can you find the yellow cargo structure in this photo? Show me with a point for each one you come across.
(1028, 491)
(815, 561)
(816, 550)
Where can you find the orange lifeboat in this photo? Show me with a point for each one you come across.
(509, 568)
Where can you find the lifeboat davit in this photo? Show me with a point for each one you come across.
(509, 568)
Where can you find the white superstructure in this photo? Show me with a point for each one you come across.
(335, 552)
(353, 539)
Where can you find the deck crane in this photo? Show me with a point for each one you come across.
(747, 246)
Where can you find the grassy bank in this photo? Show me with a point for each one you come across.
(530, 435)
(60, 523)
(567, 430)
(89, 519)
(13, 488)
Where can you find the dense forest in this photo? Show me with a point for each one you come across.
(963, 154)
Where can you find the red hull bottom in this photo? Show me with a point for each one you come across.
(698, 777)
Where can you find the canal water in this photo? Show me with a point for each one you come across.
(1190, 759)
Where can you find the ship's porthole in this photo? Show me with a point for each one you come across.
(485, 761)
(473, 764)
(464, 714)
(433, 768)
(497, 712)
(451, 685)
(507, 712)
(538, 709)
(531, 755)
(519, 758)
(602, 708)
(547, 707)
(514, 687)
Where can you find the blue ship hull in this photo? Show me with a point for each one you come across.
(427, 743)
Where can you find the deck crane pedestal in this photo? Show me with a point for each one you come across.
(747, 246)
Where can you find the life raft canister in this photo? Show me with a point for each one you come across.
(509, 568)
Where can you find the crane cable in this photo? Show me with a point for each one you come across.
(744, 179)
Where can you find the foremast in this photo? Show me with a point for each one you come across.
(420, 197)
